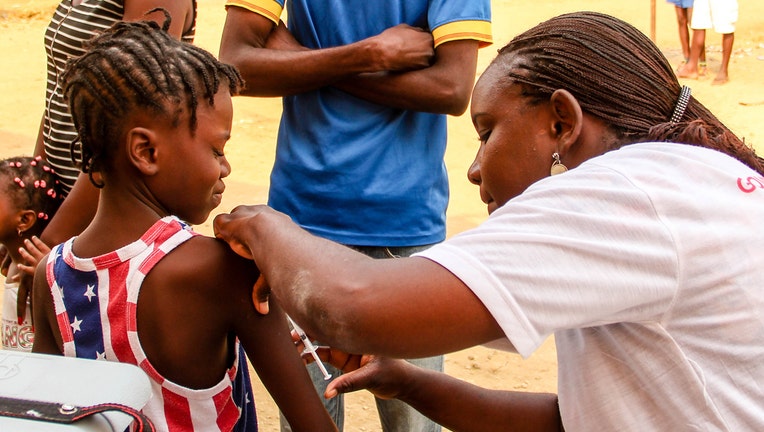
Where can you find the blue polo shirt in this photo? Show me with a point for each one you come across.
(353, 171)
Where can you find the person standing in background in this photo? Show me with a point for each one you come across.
(683, 9)
(366, 92)
(721, 15)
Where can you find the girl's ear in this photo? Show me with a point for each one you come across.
(141, 149)
(568, 119)
(26, 220)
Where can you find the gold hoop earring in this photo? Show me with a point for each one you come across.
(557, 166)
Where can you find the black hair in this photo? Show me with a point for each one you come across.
(137, 65)
(618, 75)
(31, 184)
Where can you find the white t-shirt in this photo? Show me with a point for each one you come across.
(646, 264)
(15, 336)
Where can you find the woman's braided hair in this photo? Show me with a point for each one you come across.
(137, 66)
(618, 75)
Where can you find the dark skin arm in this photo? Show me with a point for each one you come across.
(191, 306)
(396, 68)
(207, 289)
(47, 338)
(339, 304)
(182, 13)
(266, 61)
(427, 311)
(455, 404)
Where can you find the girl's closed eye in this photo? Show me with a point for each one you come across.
(483, 137)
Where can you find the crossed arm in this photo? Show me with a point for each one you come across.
(398, 67)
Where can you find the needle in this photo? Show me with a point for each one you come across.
(310, 348)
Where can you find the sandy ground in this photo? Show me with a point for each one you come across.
(739, 103)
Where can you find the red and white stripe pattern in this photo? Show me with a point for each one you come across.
(95, 303)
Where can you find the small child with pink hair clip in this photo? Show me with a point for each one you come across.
(29, 199)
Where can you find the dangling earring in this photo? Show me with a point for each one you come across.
(557, 166)
(18, 230)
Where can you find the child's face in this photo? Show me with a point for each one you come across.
(191, 182)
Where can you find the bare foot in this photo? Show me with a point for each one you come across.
(720, 79)
(686, 72)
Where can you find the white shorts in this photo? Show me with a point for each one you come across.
(721, 15)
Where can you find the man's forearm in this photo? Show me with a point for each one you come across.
(444, 87)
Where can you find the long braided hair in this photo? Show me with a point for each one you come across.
(137, 66)
(31, 184)
(618, 75)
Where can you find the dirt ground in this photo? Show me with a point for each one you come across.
(739, 103)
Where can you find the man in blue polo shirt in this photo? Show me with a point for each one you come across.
(367, 87)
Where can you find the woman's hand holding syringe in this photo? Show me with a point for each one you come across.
(309, 348)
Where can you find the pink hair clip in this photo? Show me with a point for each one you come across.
(42, 216)
(19, 182)
(51, 193)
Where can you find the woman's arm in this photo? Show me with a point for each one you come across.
(404, 308)
(181, 12)
(455, 404)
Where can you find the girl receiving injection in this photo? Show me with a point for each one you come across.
(138, 285)
(30, 198)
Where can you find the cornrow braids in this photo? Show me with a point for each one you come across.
(31, 184)
(618, 75)
(137, 66)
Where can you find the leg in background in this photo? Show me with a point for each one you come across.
(723, 75)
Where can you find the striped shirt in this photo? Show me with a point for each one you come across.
(95, 302)
(69, 28)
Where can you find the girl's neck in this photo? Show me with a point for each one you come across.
(117, 223)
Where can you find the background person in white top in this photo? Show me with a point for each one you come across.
(643, 260)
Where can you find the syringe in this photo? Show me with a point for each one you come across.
(310, 348)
